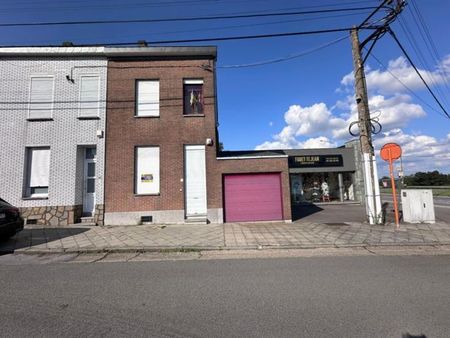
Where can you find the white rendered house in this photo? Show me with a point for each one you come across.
(52, 113)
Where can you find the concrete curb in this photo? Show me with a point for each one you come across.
(187, 249)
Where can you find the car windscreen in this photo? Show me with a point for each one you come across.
(3, 203)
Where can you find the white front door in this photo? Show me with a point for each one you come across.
(90, 159)
(195, 180)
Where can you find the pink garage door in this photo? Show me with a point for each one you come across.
(253, 197)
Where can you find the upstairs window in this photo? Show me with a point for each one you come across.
(38, 167)
(147, 98)
(193, 97)
(41, 97)
(89, 96)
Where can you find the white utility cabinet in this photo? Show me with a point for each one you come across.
(418, 206)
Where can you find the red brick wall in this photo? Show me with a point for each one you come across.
(170, 131)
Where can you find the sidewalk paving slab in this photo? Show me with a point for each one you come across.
(230, 236)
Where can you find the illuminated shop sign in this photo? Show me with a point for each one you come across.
(316, 161)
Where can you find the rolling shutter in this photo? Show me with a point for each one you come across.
(253, 197)
(41, 97)
(89, 96)
(147, 98)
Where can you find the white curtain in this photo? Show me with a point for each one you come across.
(39, 168)
(147, 170)
(148, 98)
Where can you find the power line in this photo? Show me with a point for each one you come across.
(286, 58)
(153, 4)
(198, 18)
(229, 38)
(417, 71)
(404, 85)
(418, 51)
(429, 43)
(228, 27)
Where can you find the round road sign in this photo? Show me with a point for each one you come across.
(391, 151)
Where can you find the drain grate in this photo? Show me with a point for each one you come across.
(337, 224)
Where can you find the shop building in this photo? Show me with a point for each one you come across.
(325, 175)
(52, 108)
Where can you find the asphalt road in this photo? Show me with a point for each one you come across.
(358, 296)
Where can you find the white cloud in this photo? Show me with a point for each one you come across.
(270, 124)
(384, 82)
(310, 120)
(318, 120)
(319, 142)
(289, 143)
(318, 126)
(420, 152)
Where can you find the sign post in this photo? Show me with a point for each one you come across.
(391, 152)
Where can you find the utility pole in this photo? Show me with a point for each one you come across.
(373, 200)
(372, 189)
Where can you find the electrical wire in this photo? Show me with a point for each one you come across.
(417, 71)
(198, 18)
(429, 43)
(418, 51)
(229, 27)
(228, 38)
(372, 55)
(286, 58)
(189, 3)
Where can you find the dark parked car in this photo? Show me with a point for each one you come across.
(10, 220)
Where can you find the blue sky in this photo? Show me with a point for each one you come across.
(304, 102)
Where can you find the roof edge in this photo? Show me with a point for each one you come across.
(104, 51)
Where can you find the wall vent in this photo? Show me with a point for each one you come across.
(146, 219)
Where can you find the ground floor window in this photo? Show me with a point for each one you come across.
(322, 187)
(147, 170)
(37, 175)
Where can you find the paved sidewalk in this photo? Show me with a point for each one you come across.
(228, 236)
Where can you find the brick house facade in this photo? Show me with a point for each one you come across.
(170, 131)
(126, 136)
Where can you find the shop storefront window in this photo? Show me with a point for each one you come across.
(321, 187)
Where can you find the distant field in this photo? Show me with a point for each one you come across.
(437, 191)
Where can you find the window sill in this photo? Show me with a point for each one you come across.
(32, 119)
(88, 118)
(34, 198)
(194, 115)
(141, 195)
(147, 117)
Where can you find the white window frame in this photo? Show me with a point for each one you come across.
(137, 174)
(52, 99)
(80, 111)
(193, 81)
(136, 113)
(28, 163)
